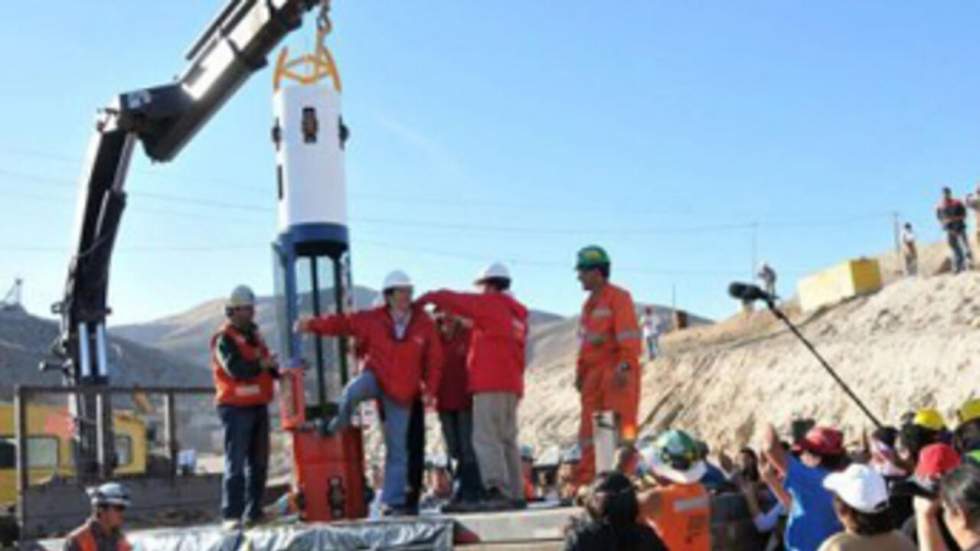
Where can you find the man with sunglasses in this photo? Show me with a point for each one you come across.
(243, 370)
(103, 530)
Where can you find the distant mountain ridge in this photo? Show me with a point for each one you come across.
(25, 341)
(186, 334)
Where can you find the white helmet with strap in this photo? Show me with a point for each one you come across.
(496, 270)
(241, 296)
(396, 279)
(109, 494)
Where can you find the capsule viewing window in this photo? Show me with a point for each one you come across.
(310, 124)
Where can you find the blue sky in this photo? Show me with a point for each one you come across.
(515, 130)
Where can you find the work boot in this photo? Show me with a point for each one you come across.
(253, 522)
(494, 500)
(396, 511)
(459, 505)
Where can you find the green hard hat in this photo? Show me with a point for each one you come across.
(590, 257)
(677, 444)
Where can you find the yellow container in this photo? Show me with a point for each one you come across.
(49, 445)
(840, 282)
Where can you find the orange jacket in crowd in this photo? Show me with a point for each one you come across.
(251, 391)
(400, 365)
(88, 537)
(680, 514)
(499, 338)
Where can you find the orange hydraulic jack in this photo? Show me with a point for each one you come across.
(328, 470)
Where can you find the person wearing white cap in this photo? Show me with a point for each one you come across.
(495, 375)
(402, 358)
(861, 503)
(103, 530)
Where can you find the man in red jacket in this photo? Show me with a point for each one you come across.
(455, 406)
(495, 368)
(400, 350)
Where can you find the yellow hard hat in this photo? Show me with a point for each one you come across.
(969, 411)
(930, 419)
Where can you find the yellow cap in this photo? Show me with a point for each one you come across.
(930, 419)
(970, 410)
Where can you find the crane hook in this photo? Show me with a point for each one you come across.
(323, 23)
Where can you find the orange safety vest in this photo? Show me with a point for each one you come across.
(85, 539)
(683, 519)
(254, 391)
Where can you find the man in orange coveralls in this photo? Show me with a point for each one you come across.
(608, 371)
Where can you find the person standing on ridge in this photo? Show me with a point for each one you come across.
(952, 216)
(767, 275)
(910, 253)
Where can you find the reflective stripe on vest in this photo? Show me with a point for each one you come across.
(85, 540)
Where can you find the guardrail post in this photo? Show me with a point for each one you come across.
(170, 427)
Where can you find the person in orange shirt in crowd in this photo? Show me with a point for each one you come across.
(678, 508)
(103, 530)
(608, 371)
(527, 472)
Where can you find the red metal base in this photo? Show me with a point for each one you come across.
(328, 471)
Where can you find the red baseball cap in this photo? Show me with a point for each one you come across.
(822, 441)
(935, 460)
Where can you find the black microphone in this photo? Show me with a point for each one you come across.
(748, 292)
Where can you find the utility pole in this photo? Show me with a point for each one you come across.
(897, 231)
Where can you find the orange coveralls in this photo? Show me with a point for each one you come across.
(610, 337)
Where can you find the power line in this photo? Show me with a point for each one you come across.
(469, 227)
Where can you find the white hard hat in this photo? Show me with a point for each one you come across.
(496, 270)
(110, 493)
(861, 487)
(241, 296)
(396, 279)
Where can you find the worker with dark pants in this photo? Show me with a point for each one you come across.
(416, 457)
(455, 406)
(495, 371)
(103, 530)
(243, 371)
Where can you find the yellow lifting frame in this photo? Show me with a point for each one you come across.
(319, 65)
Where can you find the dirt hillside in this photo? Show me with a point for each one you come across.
(915, 343)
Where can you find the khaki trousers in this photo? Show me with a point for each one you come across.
(495, 443)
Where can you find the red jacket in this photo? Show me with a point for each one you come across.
(453, 394)
(401, 365)
(496, 359)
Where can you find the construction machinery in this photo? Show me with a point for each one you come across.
(164, 119)
(233, 46)
(11, 301)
